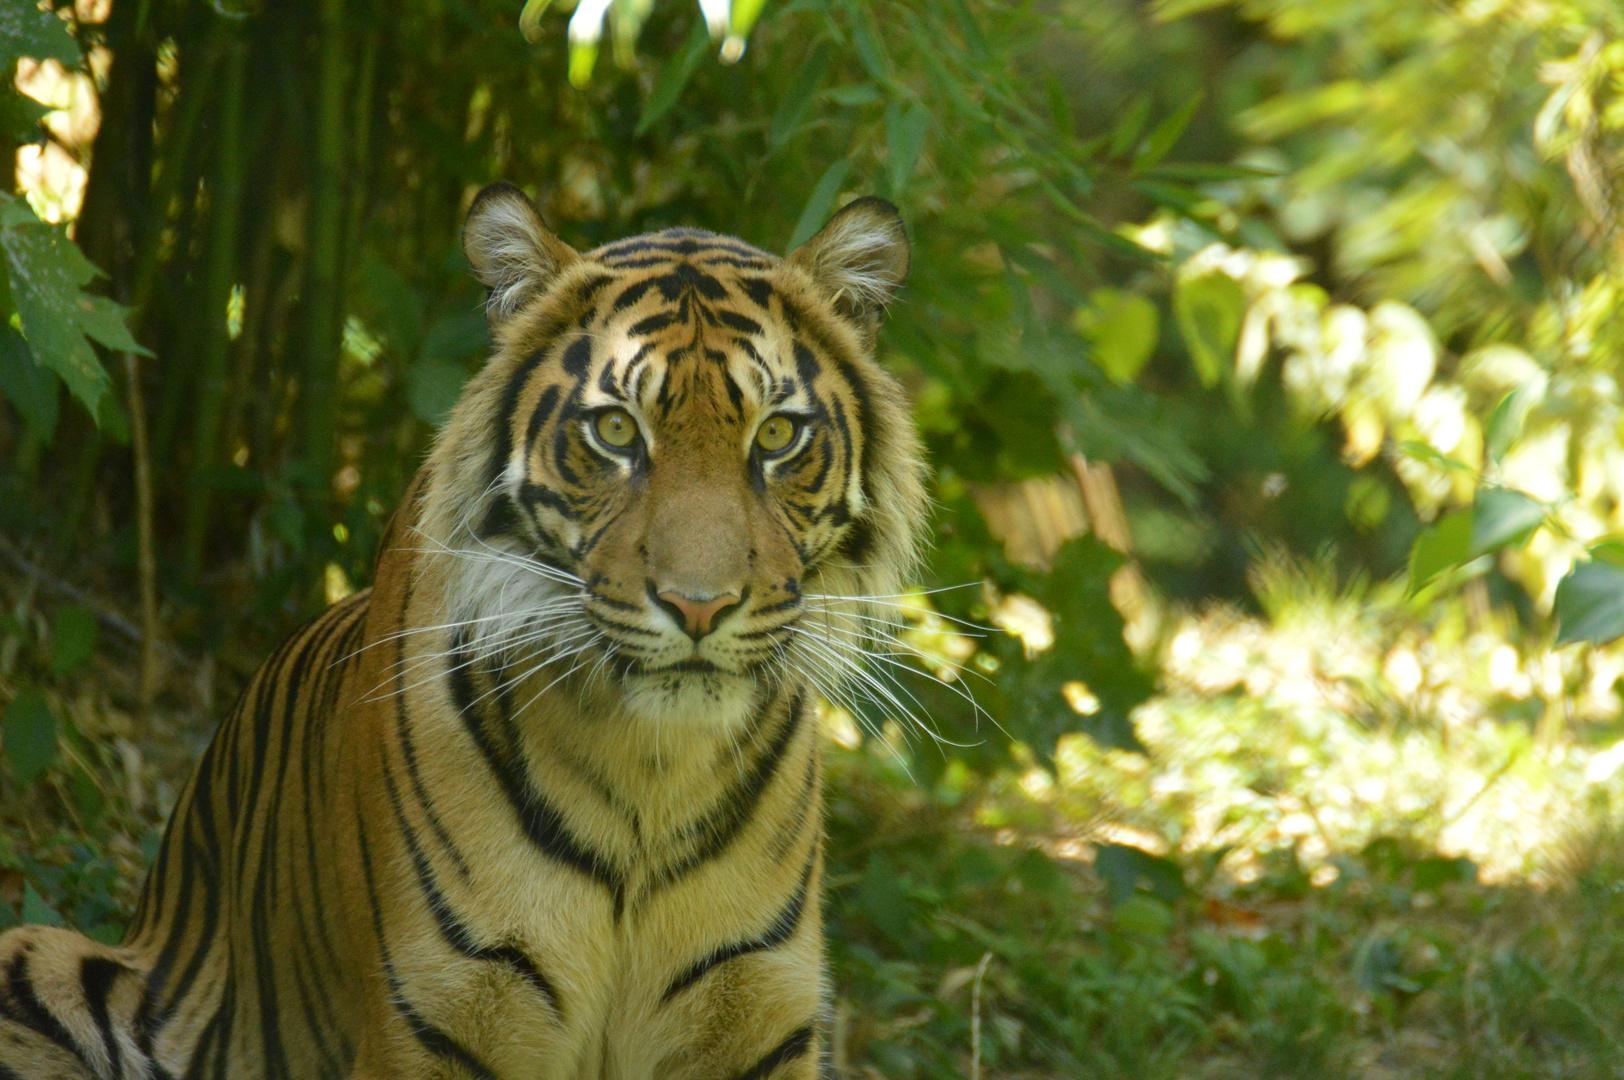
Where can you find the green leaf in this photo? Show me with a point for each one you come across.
(46, 273)
(1122, 327)
(1209, 308)
(30, 733)
(854, 95)
(819, 204)
(1168, 10)
(105, 321)
(1128, 127)
(870, 49)
(31, 388)
(432, 388)
(1165, 134)
(1126, 868)
(792, 108)
(905, 131)
(674, 76)
(1502, 517)
(1590, 604)
(73, 631)
(1441, 548)
(36, 911)
(20, 116)
(456, 337)
(25, 30)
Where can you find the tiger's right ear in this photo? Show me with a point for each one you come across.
(511, 251)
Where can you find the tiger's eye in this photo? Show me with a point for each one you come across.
(776, 433)
(617, 428)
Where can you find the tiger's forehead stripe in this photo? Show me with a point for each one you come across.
(668, 323)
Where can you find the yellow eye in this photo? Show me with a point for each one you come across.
(617, 428)
(777, 433)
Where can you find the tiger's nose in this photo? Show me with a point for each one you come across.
(697, 617)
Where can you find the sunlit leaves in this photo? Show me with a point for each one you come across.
(1590, 602)
(1122, 328)
(1440, 548)
(1209, 308)
(1502, 517)
(1499, 518)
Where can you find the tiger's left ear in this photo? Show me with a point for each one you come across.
(512, 251)
(861, 256)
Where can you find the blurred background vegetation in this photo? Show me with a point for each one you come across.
(1267, 356)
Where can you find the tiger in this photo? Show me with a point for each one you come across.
(546, 801)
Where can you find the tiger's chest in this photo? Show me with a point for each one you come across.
(567, 908)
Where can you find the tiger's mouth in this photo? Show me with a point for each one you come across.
(693, 665)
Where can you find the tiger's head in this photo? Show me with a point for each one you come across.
(682, 470)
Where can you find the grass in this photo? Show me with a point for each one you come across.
(1369, 838)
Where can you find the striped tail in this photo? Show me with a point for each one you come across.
(69, 1009)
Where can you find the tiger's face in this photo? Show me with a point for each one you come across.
(682, 458)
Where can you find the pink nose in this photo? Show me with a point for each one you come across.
(698, 616)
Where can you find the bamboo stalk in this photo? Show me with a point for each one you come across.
(225, 217)
(146, 559)
(323, 300)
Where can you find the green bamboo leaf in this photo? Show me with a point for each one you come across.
(1502, 517)
(792, 108)
(674, 76)
(905, 131)
(865, 38)
(30, 387)
(1590, 604)
(25, 30)
(30, 734)
(821, 202)
(1128, 127)
(1165, 134)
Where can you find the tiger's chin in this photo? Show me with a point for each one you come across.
(694, 697)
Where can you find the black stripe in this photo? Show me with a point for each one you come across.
(431, 1038)
(652, 324)
(578, 356)
(540, 821)
(451, 927)
(503, 447)
(781, 930)
(96, 975)
(796, 1044)
(22, 1006)
(408, 749)
(743, 324)
(758, 289)
(713, 833)
(544, 409)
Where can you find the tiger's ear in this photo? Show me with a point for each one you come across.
(511, 251)
(861, 256)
